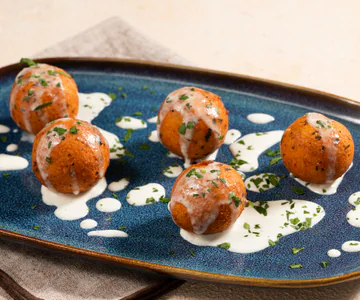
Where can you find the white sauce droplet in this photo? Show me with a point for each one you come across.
(353, 216)
(241, 241)
(172, 155)
(108, 205)
(260, 182)
(117, 186)
(69, 206)
(149, 193)
(325, 188)
(27, 137)
(15, 130)
(90, 105)
(173, 171)
(153, 137)
(88, 224)
(108, 233)
(4, 129)
(231, 136)
(12, 162)
(152, 120)
(117, 150)
(12, 148)
(131, 123)
(351, 246)
(250, 146)
(260, 118)
(334, 253)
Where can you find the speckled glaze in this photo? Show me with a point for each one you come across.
(150, 225)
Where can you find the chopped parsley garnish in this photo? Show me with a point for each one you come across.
(48, 159)
(128, 134)
(214, 183)
(275, 160)
(223, 180)
(3, 138)
(193, 172)
(321, 124)
(236, 163)
(295, 266)
(60, 131)
(114, 195)
(49, 144)
(192, 252)
(182, 129)
(183, 97)
(164, 200)
(123, 95)
(224, 246)
(43, 82)
(28, 61)
(246, 226)
(172, 252)
(354, 244)
(122, 227)
(120, 88)
(145, 87)
(150, 200)
(144, 146)
(324, 264)
(112, 96)
(4, 175)
(137, 113)
(232, 196)
(357, 202)
(296, 250)
(36, 227)
(272, 153)
(30, 92)
(43, 105)
(298, 191)
(73, 130)
(190, 125)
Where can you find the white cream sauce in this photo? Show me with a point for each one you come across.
(152, 120)
(231, 136)
(131, 123)
(329, 138)
(333, 253)
(12, 162)
(263, 230)
(117, 186)
(27, 137)
(249, 147)
(4, 129)
(192, 105)
(90, 105)
(261, 182)
(12, 148)
(15, 130)
(153, 137)
(69, 206)
(108, 233)
(146, 194)
(117, 150)
(325, 188)
(260, 118)
(88, 224)
(351, 246)
(172, 155)
(173, 170)
(353, 216)
(108, 205)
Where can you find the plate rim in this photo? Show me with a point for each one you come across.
(168, 270)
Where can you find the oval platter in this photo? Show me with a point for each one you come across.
(154, 242)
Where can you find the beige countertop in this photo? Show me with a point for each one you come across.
(313, 43)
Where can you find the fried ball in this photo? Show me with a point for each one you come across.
(42, 93)
(317, 149)
(70, 156)
(192, 123)
(207, 198)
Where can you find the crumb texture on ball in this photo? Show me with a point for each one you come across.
(40, 94)
(317, 149)
(70, 156)
(192, 123)
(207, 198)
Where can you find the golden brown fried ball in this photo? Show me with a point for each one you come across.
(317, 149)
(70, 156)
(207, 198)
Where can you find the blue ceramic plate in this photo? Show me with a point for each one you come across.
(152, 234)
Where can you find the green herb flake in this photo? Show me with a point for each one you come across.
(298, 191)
(192, 253)
(296, 250)
(28, 61)
(295, 266)
(60, 131)
(4, 175)
(164, 200)
(73, 130)
(137, 113)
(123, 95)
(224, 246)
(182, 129)
(275, 160)
(48, 160)
(128, 134)
(112, 96)
(324, 264)
(183, 97)
(150, 200)
(43, 105)
(144, 146)
(36, 227)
